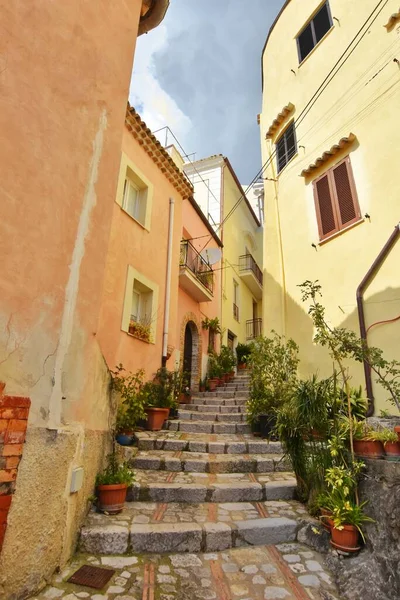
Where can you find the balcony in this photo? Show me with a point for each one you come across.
(253, 328)
(196, 276)
(251, 274)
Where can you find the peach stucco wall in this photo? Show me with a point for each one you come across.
(64, 75)
(146, 251)
(193, 227)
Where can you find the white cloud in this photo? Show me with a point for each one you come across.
(156, 107)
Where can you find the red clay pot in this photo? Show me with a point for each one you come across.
(345, 539)
(369, 448)
(242, 366)
(221, 381)
(397, 430)
(326, 520)
(112, 497)
(156, 418)
(231, 375)
(226, 377)
(392, 450)
(212, 384)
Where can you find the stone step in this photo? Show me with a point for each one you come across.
(222, 394)
(205, 408)
(158, 528)
(199, 462)
(193, 415)
(199, 401)
(164, 486)
(175, 441)
(206, 427)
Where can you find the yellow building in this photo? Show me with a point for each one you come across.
(222, 199)
(330, 136)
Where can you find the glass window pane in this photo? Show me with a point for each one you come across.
(135, 305)
(322, 22)
(306, 42)
(281, 153)
(290, 142)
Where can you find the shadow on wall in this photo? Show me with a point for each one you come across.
(315, 359)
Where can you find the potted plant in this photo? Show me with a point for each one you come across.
(227, 362)
(366, 441)
(391, 444)
(112, 485)
(202, 385)
(129, 387)
(397, 431)
(160, 395)
(214, 371)
(347, 520)
(243, 352)
(140, 331)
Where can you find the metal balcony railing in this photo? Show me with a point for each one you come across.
(247, 263)
(253, 328)
(191, 259)
(235, 312)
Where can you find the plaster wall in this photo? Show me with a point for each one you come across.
(146, 251)
(239, 232)
(64, 75)
(362, 99)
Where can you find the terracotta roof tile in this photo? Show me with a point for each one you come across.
(345, 141)
(282, 116)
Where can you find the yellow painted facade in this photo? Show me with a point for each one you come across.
(362, 98)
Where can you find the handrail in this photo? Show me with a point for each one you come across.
(247, 263)
(192, 259)
(253, 328)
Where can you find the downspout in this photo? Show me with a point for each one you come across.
(168, 281)
(376, 265)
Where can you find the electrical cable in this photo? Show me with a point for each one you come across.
(383, 323)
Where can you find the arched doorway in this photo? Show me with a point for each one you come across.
(191, 357)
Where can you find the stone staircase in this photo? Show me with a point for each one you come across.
(203, 484)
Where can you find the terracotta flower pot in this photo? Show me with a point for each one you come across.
(326, 519)
(213, 383)
(369, 448)
(392, 451)
(397, 430)
(231, 375)
(221, 381)
(112, 497)
(156, 418)
(345, 539)
(242, 366)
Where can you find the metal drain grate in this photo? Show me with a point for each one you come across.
(93, 577)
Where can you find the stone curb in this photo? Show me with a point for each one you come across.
(190, 415)
(239, 447)
(236, 464)
(206, 427)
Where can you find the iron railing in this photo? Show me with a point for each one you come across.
(253, 328)
(191, 259)
(236, 312)
(247, 263)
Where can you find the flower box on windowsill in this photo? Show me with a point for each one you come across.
(142, 332)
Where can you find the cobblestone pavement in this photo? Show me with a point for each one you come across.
(287, 571)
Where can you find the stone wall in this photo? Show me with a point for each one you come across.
(374, 574)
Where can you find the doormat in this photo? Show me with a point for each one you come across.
(93, 577)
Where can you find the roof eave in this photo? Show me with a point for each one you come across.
(153, 17)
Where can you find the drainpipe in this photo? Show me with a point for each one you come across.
(376, 265)
(168, 281)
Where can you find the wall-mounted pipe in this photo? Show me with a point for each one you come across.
(168, 281)
(376, 265)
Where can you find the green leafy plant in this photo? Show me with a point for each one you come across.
(243, 352)
(227, 359)
(130, 387)
(211, 325)
(273, 363)
(214, 366)
(140, 330)
(115, 472)
(386, 435)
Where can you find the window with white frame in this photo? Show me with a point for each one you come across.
(134, 200)
(140, 306)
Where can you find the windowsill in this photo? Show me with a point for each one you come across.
(138, 338)
(338, 233)
(316, 46)
(133, 218)
(288, 163)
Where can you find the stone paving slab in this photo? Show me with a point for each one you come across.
(166, 486)
(288, 571)
(206, 427)
(204, 408)
(203, 442)
(193, 415)
(209, 463)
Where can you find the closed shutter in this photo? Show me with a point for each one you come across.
(346, 196)
(327, 222)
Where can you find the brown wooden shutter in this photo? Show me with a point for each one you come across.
(326, 217)
(348, 209)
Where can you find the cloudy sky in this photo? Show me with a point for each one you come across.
(199, 72)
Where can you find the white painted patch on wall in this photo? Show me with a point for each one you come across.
(72, 288)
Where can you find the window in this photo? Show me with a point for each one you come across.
(235, 300)
(140, 306)
(135, 192)
(314, 31)
(286, 147)
(134, 201)
(336, 201)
